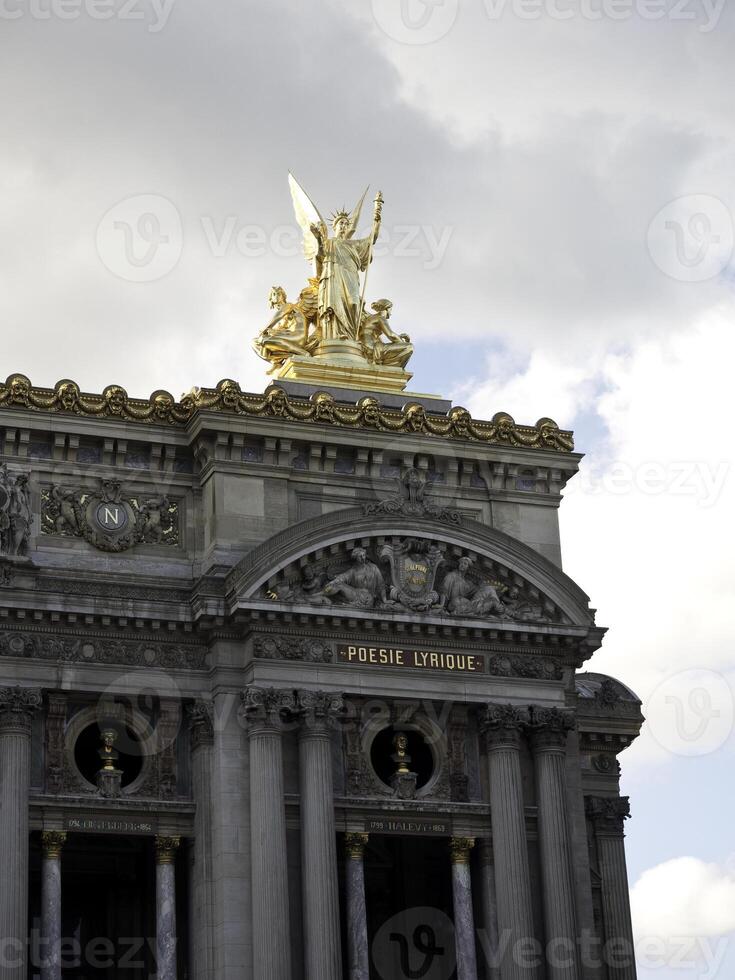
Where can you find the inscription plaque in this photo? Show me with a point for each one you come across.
(415, 659)
(386, 825)
(102, 825)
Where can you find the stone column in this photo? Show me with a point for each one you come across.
(322, 947)
(464, 917)
(52, 841)
(264, 709)
(358, 951)
(17, 706)
(489, 908)
(608, 815)
(201, 729)
(503, 725)
(166, 848)
(549, 730)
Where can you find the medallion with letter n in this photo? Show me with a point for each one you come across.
(417, 659)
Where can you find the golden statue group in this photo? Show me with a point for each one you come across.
(327, 334)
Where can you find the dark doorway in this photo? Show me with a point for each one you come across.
(108, 908)
(408, 887)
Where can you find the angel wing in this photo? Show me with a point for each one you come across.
(307, 214)
(355, 216)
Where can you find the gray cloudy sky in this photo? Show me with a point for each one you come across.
(558, 177)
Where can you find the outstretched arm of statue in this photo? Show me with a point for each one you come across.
(377, 215)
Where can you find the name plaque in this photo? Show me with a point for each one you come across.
(384, 825)
(416, 659)
(101, 825)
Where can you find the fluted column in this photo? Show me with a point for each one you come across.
(503, 725)
(52, 841)
(608, 815)
(358, 952)
(17, 706)
(322, 947)
(166, 848)
(548, 731)
(489, 908)
(264, 709)
(201, 728)
(464, 917)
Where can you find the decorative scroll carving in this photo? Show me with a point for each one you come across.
(293, 648)
(458, 776)
(201, 723)
(162, 409)
(549, 727)
(319, 708)
(55, 724)
(410, 498)
(109, 519)
(15, 513)
(66, 649)
(608, 813)
(504, 665)
(266, 704)
(502, 724)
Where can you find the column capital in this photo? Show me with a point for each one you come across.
(52, 842)
(608, 813)
(266, 708)
(355, 845)
(318, 710)
(548, 728)
(17, 707)
(502, 724)
(460, 848)
(166, 848)
(201, 723)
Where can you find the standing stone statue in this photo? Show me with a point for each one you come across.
(15, 513)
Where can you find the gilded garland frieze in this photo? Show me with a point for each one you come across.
(109, 519)
(322, 409)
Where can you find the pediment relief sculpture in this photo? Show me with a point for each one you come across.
(412, 574)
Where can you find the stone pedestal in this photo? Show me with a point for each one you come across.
(322, 948)
(549, 730)
(109, 783)
(404, 785)
(263, 709)
(166, 848)
(464, 918)
(17, 706)
(503, 727)
(52, 842)
(608, 815)
(358, 952)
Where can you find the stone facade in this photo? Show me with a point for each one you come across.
(271, 651)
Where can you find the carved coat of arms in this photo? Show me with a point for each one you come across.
(413, 567)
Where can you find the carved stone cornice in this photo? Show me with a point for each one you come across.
(228, 398)
(502, 725)
(52, 842)
(17, 707)
(460, 849)
(318, 710)
(549, 728)
(355, 845)
(608, 813)
(200, 716)
(266, 708)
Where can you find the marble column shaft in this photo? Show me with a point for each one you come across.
(271, 926)
(548, 740)
(464, 917)
(52, 843)
(17, 706)
(166, 848)
(512, 876)
(322, 945)
(357, 935)
(489, 909)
